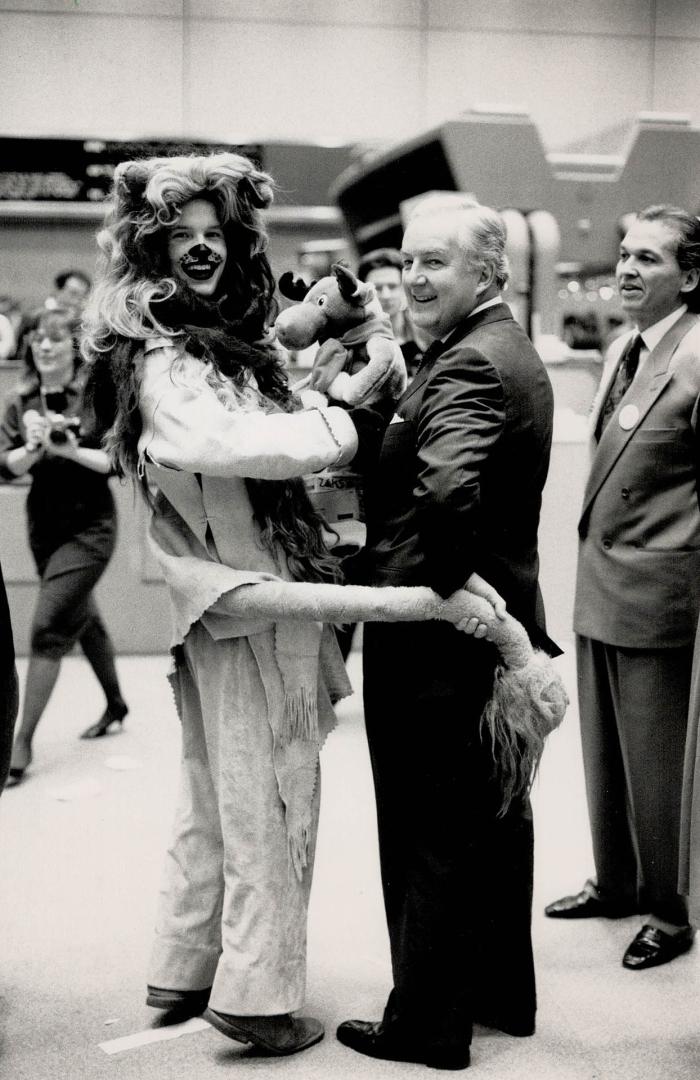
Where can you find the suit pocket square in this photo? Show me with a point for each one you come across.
(396, 419)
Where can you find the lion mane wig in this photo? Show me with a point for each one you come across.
(136, 297)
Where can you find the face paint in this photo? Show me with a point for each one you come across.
(200, 262)
(197, 248)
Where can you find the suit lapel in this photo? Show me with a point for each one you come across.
(642, 394)
(607, 376)
(496, 313)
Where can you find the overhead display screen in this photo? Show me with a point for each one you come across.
(81, 170)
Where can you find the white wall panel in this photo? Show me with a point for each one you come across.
(246, 80)
(575, 89)
(103, 75)
(314, 12)
(678, 18)
(550, 16)
(80, 8)
(677, 77)
(259, 69)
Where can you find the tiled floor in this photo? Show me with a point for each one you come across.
(80, 851)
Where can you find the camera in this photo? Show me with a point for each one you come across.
(60, 425)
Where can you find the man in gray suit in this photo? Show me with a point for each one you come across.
(638, 589)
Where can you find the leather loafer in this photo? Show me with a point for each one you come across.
(378, 1040)
(652, 947)
(184, 1003)
(276, 1036)
(588, 904)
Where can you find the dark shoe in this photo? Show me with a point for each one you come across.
(113, 714)
(380, 1041)
(185, 1003)
(275, 1035)
(14, 777)
(652, 947)
(588, 904)
(22, 760)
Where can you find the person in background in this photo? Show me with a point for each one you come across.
(10, 322)
(9, 685)
(382, 268)
(71, 289)
(638, 590)
(72, 524)
(456, 488)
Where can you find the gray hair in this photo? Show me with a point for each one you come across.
(481, 232)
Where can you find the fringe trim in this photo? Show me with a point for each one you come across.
(299, 850)
(300, 720)
(527, 704)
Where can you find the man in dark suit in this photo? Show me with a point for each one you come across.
(456, 489)
(638, 589)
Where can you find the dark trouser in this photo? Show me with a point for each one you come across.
(457, 880)
(633, 706)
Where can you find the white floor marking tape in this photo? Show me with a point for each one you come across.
(142, 1038)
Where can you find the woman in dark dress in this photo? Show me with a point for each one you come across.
(71, 521)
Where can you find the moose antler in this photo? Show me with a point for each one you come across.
(294, 288)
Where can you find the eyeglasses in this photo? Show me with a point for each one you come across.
(55, 337)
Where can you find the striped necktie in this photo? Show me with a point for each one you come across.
(430, 354)
(626, 370)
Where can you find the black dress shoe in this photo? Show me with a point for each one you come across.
(588, 904)
(184, 1003)
(652, 947)
(277, 1036)
(381, 1041)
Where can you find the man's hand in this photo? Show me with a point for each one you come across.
(459, 608)
(477, 585)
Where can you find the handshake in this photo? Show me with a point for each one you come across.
(52, 428)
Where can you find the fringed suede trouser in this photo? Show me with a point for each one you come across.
(232, 912)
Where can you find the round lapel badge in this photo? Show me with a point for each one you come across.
(629, 415)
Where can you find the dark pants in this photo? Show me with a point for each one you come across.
(633, 705)
(457, 879)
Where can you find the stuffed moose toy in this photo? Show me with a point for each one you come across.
(358, 355)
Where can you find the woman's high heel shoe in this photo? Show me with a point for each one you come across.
(113, 714)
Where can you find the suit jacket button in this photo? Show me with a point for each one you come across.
(607, 543)
(625, 493)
